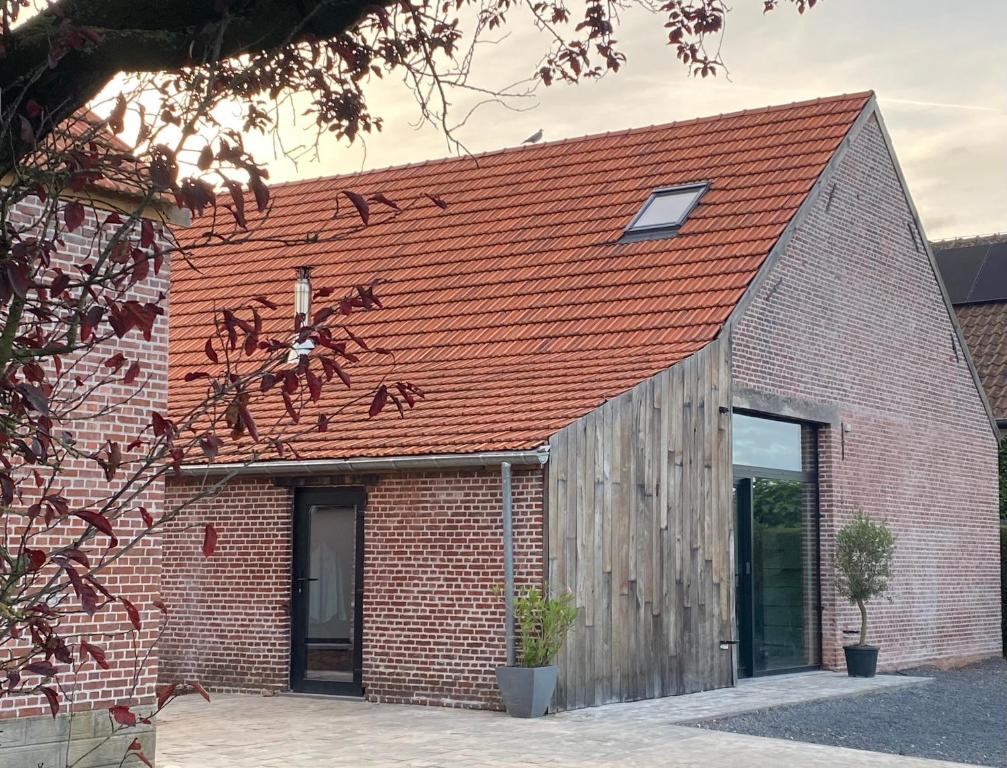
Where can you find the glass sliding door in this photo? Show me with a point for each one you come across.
(776, 504)
(327, 591)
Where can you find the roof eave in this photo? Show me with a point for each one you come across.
(307, 467)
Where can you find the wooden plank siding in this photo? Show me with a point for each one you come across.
(641, 528)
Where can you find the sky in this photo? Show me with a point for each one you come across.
(939, 68)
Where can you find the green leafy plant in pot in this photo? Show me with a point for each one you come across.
(864, 552)
(542, 624)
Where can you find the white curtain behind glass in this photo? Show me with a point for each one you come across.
(330, 598)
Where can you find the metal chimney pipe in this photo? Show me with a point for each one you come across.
(302, 296)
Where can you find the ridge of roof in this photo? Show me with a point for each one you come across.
(968, 241)
(476, 156)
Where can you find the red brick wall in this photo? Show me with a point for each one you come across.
(101, 417)
(851, 318)
(433, 631)
(229, 626)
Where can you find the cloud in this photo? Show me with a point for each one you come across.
(939, 73)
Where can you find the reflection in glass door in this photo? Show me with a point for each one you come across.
(777, 547)
(327, 591)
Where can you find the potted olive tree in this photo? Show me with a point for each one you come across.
(542, 625)
(864, 551)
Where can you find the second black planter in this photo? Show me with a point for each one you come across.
(861, 660)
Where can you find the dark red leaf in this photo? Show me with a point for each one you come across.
(210, 352)
(43, 668)
(264, 301)
(59, 283)
(288, 403)
(165, 694)
(116, 119)
(17, 277)
(200, 690)
(161, 425)
(72, 553)
(36, 558)
(205, 158)
(73, 215)
(159, 604)
(248, 422)
(122, 715)
(357, 340)
(146, 233)
(136, 748)
(261, 192)
(87, 596)
(406, 394)
(115, 362)
(380, 198)
(379, 401)
(131, 374)
(95, 519)
(210, 445)
(239, 203)
(363, 209)
(314, 385)
(95, 653)
(52, 698)
(439, 202)
(132, 612)
(209, 540)
(34, 397)
(27, 132)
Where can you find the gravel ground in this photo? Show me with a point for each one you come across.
(960, 716)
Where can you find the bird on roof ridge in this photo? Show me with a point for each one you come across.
(535, 138)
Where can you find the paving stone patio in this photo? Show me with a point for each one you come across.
(293, 731)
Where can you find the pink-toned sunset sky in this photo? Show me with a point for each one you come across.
(939, 68)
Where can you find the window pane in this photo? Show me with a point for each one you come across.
(668, 209)
(782, 544)
(766, 443)
(330, 594)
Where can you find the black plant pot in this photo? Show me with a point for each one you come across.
(861, 660)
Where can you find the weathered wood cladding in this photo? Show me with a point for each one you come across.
(640, 527)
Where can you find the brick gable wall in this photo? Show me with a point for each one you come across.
(433, 630)
(104, 416)
(851, 317)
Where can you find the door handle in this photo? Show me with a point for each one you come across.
(299, 583)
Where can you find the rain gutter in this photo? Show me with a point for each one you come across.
(483, 460)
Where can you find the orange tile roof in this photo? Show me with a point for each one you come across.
(515, 309)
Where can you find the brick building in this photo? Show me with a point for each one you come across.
(698, 348)
(115, 411)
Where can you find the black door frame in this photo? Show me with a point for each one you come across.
(304, 498)
(744, 489)
(744, 485)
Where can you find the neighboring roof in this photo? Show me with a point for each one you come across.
(974, 269)
(985, 329)
(975, 273)
(516, 309)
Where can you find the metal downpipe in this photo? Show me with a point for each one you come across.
(508, 544)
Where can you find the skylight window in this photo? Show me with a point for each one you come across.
(665, 211)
